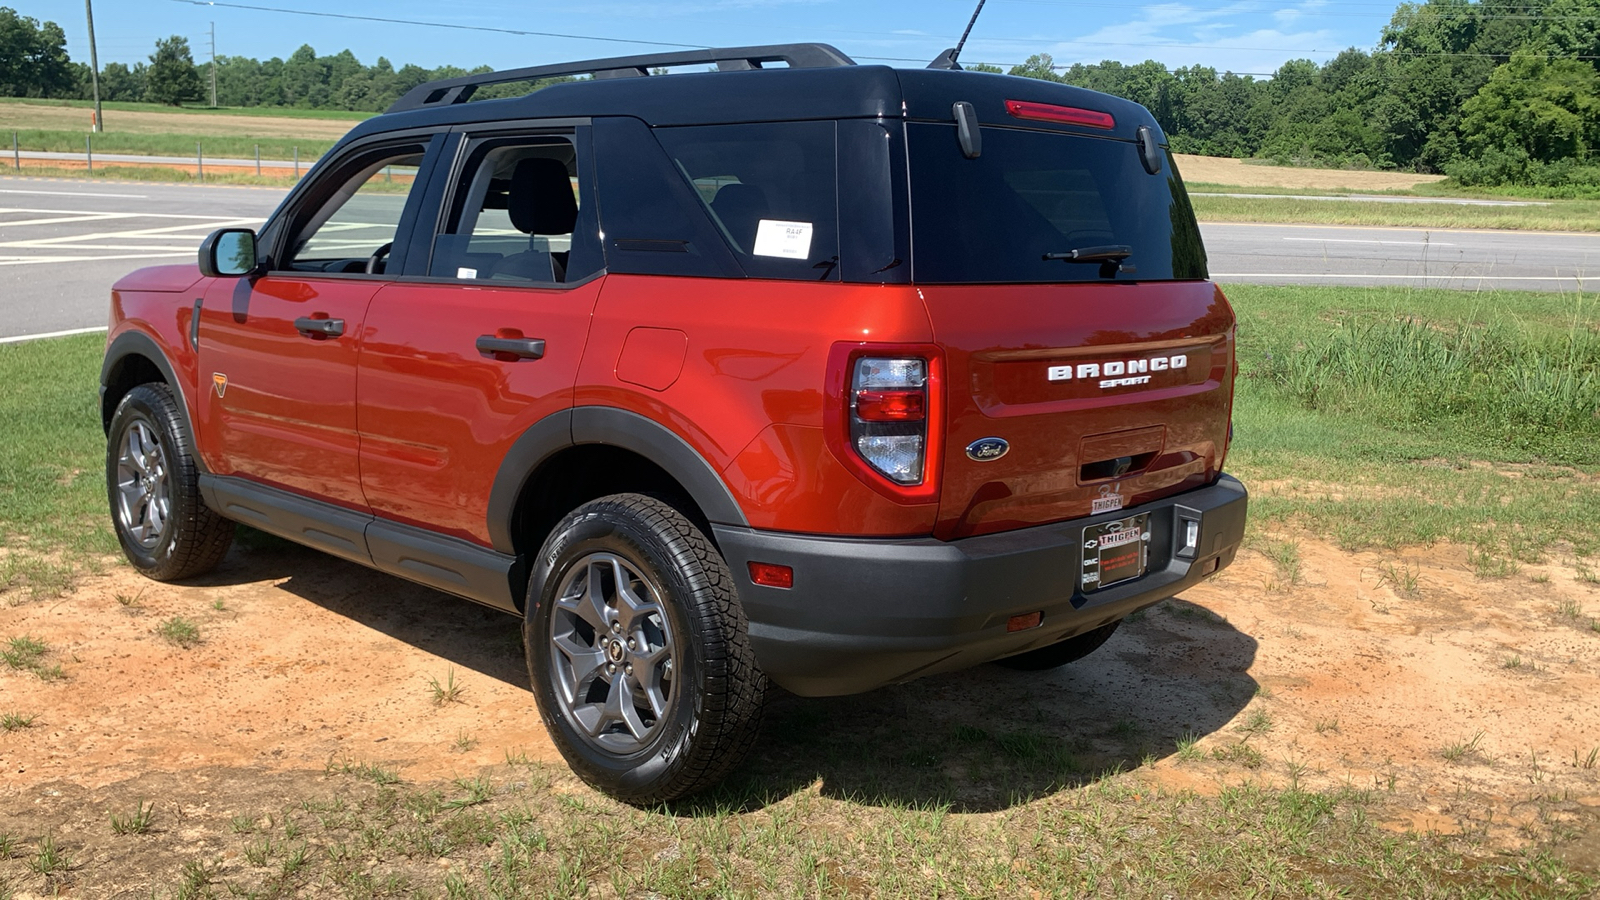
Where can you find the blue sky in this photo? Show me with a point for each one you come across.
(1247, 36)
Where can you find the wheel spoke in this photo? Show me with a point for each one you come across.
(631, 608)
(585, 665)
(620, 708)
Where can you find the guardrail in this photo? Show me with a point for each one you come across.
(293, 166)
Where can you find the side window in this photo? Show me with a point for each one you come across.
(771, 189)
(515, 216)
(352, 228)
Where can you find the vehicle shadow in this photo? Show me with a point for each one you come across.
(471, 636)
(979, 740)
(991, 738)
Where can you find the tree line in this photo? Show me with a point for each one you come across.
(1491, 92)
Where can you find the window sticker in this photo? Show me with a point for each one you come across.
(465, 272)
(787, 240)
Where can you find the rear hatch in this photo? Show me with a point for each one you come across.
(1065, 282)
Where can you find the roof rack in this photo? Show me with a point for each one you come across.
(727, 59)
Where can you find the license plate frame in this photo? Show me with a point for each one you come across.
(1115, 552)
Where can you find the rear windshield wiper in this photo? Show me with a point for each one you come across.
(1103, 254)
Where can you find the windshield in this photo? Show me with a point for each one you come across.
(1041, 207)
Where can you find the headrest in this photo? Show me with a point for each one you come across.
(541, 199)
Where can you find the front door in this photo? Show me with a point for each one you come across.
(278, 352)
(484, 338)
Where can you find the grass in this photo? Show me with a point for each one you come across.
(197, 111)
(137, 822)
(180, 631)
(446, 691)
(1342, 431)
(532, 831)
(12, 721)
(211, 146)
(1559, 215)
(1461, 750)
(53, 519)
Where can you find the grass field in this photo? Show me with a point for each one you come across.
(221, 112)
(1379, 417)
(1559, 215)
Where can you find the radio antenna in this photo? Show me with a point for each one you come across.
(947, 59)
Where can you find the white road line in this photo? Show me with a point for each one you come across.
(165, 231)
(50, 334)
(1358, 241)
(117, 215)
(76, 194)
(58, 220)
(35, 260)
(1459, 277)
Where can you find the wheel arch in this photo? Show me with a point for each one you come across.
(134, 358)
(576, 455)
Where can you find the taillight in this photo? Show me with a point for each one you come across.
(888, 415)
(885, 416)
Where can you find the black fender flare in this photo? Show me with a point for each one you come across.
(615, 427)
(137, 343)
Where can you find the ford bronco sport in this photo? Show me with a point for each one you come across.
(793, 369)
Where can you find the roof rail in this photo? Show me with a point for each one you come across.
(727, 59)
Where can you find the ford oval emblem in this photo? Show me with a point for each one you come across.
(988, 449)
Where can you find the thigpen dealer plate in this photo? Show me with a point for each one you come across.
(1115, 552)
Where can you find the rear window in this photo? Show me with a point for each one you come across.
(1029, 194)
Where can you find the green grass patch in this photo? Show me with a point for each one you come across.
(1391, 416)
(1560, 215)
(214, 146)
(54, 522)
(259, 111)
(159, 174)
(1115, 837)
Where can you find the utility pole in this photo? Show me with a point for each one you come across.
(213, 64)
(94, 67)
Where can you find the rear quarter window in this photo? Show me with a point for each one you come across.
(770, 189)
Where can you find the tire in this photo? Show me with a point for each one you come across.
(676, 637)
(153, 486)
(1062, 652)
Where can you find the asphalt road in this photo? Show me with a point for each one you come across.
(64, 243)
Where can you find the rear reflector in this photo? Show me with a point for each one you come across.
(1023, 623)
(1071, 115)
(771, 575)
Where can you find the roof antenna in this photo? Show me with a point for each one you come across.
(947, 59)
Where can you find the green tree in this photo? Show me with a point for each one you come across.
(171, 78)
(1039, 65)
(33, 58)
(1547, 108)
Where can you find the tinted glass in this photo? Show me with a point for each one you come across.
(1031, 193)
(771, 190)
(353, 230)
(514, 215)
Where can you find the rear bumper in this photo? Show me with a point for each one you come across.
(864, 613)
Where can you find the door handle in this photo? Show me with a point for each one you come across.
(516, 348)
(311, 327)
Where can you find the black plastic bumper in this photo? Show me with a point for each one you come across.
(864, 613)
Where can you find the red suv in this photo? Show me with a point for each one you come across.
(827, 374)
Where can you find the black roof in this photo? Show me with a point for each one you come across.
(819, 83)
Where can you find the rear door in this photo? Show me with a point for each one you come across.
(483, 336)
(1066, 284)
(279, 351)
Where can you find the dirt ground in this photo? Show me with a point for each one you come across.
(1238, 172)
(65, 118)
(1467, 704)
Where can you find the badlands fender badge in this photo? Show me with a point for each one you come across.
(988, 449)
(220, 382)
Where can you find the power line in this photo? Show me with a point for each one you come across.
(512, 31)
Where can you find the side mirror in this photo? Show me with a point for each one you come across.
(228, 253)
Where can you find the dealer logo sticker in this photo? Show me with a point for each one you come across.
(220, 382)
(1108, 501)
